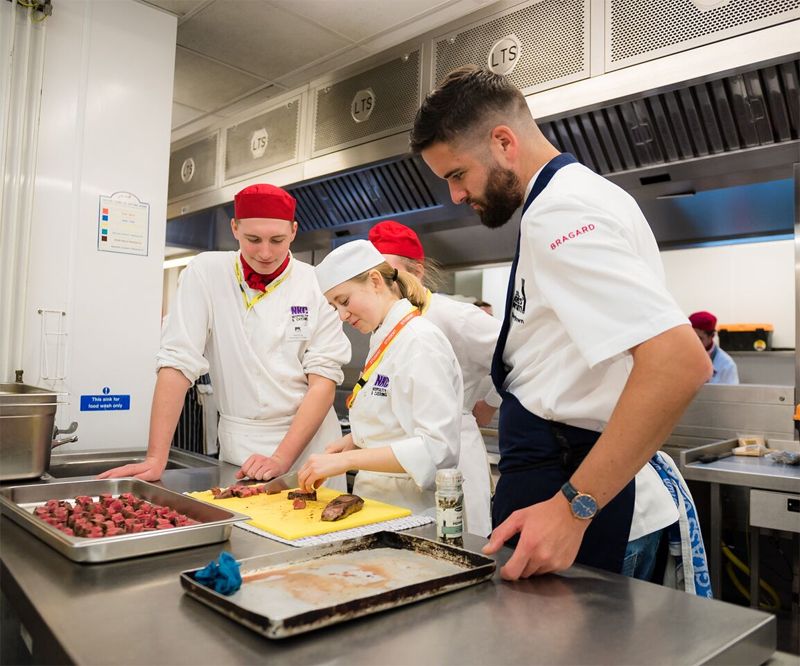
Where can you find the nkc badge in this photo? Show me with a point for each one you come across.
(381, 386)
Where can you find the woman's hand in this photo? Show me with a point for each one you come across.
(342, 444)
(319, 467)
(262, 467)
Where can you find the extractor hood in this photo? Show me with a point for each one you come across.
(736, 129)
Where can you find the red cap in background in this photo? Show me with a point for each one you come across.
(391, 237)
(264, 200)
(703, 320)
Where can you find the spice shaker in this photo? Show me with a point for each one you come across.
(450, 506)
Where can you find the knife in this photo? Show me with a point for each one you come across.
(286, 481)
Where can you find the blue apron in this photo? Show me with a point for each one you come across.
(537, 456)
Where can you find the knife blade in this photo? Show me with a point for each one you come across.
(286, 481)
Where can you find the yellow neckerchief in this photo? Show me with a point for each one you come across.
(425, 307)
(377, 357)
(249, 304)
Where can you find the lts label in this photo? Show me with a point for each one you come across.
(363, 105)
(504, 55)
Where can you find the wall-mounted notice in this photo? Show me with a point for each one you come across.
(105, 402)
(123, 224)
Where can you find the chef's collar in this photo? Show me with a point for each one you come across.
(532, 181)
(260, 281)
(395, 314)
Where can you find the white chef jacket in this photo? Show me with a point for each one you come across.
(259, 358)
(589, 286)
(473, 335)
(412, 402)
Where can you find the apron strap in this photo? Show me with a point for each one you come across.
(499, 371)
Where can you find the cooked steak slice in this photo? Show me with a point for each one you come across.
(342, 506)
(299, 504)
(299, 494)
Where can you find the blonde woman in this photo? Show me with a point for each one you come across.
(405, 411)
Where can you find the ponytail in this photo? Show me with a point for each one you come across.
(412, 289)
(408, 285)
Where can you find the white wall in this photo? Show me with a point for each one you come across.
(746, 283)
(750, 282)
(105, 128)
(495, 288)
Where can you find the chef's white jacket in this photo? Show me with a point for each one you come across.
(473, 335)
(259, 358)
(589, 286)
(412, 402)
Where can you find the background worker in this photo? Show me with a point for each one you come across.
(473, 337)
(725, 371)
(258, 322)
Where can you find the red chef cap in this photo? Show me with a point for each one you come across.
(391, 237)
(264, 200)
(705, 321)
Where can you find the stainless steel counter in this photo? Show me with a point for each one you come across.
(749, 471)
(754, 473)
(134, 612)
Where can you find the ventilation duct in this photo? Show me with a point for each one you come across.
(752, 119)
(343, 204)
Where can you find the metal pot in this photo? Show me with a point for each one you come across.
(27, 431)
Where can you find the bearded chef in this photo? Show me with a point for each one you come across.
(473, 336)
(257, 321)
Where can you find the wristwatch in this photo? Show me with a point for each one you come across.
(583, 506)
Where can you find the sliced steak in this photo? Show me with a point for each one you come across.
(237, 490)
(299, 494)
(299, 504)
(342, 506)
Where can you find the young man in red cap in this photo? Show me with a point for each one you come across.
(473, 336)
(257, 321)
(595, 362)
(725, 371)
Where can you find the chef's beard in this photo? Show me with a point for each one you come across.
(503, 195)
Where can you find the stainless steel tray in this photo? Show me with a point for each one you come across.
(18, 503)
(292, 592)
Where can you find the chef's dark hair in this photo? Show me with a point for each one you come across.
(461, 103)
(407, 284)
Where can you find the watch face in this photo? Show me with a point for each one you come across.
(584, 506)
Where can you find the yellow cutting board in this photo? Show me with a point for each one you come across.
(275, 513)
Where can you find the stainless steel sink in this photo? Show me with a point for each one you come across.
(92, 463)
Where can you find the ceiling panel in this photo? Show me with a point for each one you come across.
(247, 43)
(204, 84)
(373, 17)
(257, 37)
(182, 114)
(177, 7)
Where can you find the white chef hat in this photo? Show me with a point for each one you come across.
(346, 262)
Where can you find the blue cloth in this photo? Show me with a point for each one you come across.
(221, 575)
(725, 371)
(685, 538)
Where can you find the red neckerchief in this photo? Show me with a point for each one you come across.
(258, 281)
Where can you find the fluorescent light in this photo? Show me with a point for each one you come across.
(179, 261)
